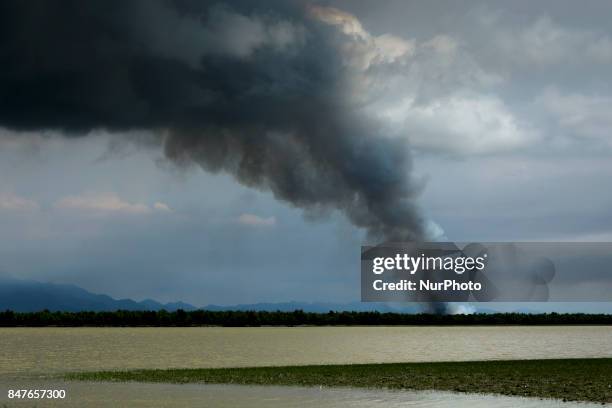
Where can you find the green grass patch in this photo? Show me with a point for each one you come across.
(568, 379)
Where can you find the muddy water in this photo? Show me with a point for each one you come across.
(97, 395)
(27, 351)
(28, 354)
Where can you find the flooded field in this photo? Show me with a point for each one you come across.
(40, 351)
(28, 354)
(97, 395)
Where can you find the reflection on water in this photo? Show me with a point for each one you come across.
(197, 395)
(28, 351)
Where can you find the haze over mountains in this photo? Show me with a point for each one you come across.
(30, 296)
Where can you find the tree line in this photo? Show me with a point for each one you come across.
(182, 318)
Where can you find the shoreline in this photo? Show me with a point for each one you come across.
(295, 318)
(562, 379)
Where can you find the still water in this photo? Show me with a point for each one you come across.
(28, 351)
(98, 395)
(28, 354)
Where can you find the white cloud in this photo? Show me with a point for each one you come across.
(441, 58)
(446, 95)
(101, 203)
(253, 220)
(460, 125)
(361, 49)
(418, 90)
(13, 202)
(348, 23)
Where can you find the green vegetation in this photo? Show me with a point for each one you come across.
(251, 318)
(573, 379)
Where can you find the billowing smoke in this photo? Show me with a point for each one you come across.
(255, 89)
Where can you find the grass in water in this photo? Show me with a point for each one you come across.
(568, 379)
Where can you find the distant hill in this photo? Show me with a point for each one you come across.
(30, 296)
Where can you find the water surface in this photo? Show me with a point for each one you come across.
(239, 396)
(34, 351)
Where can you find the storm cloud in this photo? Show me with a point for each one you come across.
(255, 90)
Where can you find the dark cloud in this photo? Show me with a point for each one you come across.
(254, 89)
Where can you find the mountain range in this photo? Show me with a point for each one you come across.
(30, 296)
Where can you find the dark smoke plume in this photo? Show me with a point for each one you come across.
(255, 89)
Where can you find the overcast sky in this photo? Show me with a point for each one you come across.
(506, 108)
